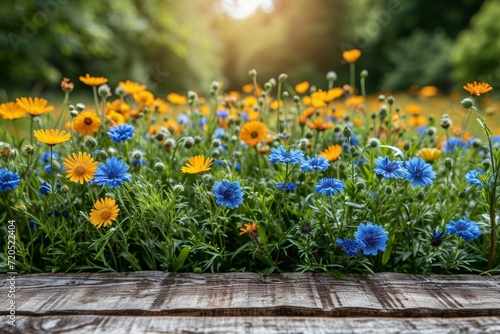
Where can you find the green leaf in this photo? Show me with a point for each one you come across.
(338, 274)
(179, 262)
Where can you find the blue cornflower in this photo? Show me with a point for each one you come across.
(203, 121)
(112, 173)
(350, 246)
(222, 114)
(464, 228)
(389, 169)
(228, 193)
(437, 237)
(311, 164)
(48, 168)
(287, 187)
(46, 157)
(219, 132)
(183, 119)
(136, 162)
(472, 176)
(329, 186)
(8, 180)
(452, 144)
(283, 156)
(45, 188)
(419, 172)
(32, 224)
(122, 132)
(373, 238)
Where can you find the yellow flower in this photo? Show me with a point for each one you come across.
(251, 229)
(161, 106)
(93, 81)
(144, 98)
(177, 99)
(429, 154)
(115, 118)
(104, 212)
(351, 56)
(34, 106)
(197, 165)
(81, 167)
(51, 137)
(429, 91)
(354, 101)
(333, 93)
(331, 153)
(302, 87)
(478, 88)
(11, 110)
(87, 123)
(132, 87)
(414, 108)
(417, 120)
(275, 105)
(118, 106)
(253, 133)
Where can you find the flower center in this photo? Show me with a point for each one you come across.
(254, 134)
(87, 121)
(81, 169)
(105, 214)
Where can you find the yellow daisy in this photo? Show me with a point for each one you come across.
(12, 111)
(81, 167)
(93, 81)
(51, 137)
(104, 213)
(331, 153)
(253, 133)
(87, 123)
(34, 106)
(197, 165)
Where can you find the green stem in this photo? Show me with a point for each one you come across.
(352, 68)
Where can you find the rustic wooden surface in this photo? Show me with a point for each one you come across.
(158, 302)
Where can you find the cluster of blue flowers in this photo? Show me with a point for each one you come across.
(464, 228)
(368, 237)
(414, 170)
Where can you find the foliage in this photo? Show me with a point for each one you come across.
(475, 55)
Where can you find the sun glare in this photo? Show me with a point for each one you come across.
(241, 9)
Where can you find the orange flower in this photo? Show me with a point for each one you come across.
(351, 56)
(104, 212)
(478, 88)
(197, 165)
(319, 124)
(275, 105)
(144, 98)
(132, 87)
(34, 106)
(250, 101)
(66, 85)
(177, 99)
(354, 101)
(417, 120)
(414, 109)
(161, 106)
(251, 229)
(302, 87)
(333, 93)
(331, 153)
(51, 137)
(87, 123)
(118, 106)
(93, 81)
(115, 118)
(429, 91)
(253, 133)
(11, 110)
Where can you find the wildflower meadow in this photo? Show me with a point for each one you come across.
(273, 178)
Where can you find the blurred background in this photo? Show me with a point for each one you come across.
(179, 45)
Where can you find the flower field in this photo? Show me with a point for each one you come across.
(275, 177)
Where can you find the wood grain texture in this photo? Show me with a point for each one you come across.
(158, 302)
(89, 324)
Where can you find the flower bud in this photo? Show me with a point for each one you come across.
(216, 143)
(120, 91)
(448, 163)
(390, 100)
(406, 146)
(373, 142)
(197, 139)
(302, 177)
(214, 85)
(252, 73)
(286, 95)
(268, 86)
(160, 167)
(55, 166)
(476, 143)
(188, 142)
(104, 91)
(360, 185)
(282, 77)
(309, 134)
(136, 155)
(445, 122)
(91, 142)
(73, 113)
(421, 195)
(80, 107)
(216, 152)
(28, 149)
(462, 194)
(364, 74)
(67, 86)
(347, 132)
(331, 76)
(303, 144)
(178, 188)
(388, 190)
(381, 98)
(486, 164)
(468, 103)
(431, 131)
(296, 99)
(169, 143)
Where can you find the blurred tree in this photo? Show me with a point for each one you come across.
(380, 26)
(163, 43)
(299, 38)
(476, 53)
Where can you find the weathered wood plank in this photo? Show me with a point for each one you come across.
(251, 294)
(139, 324)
